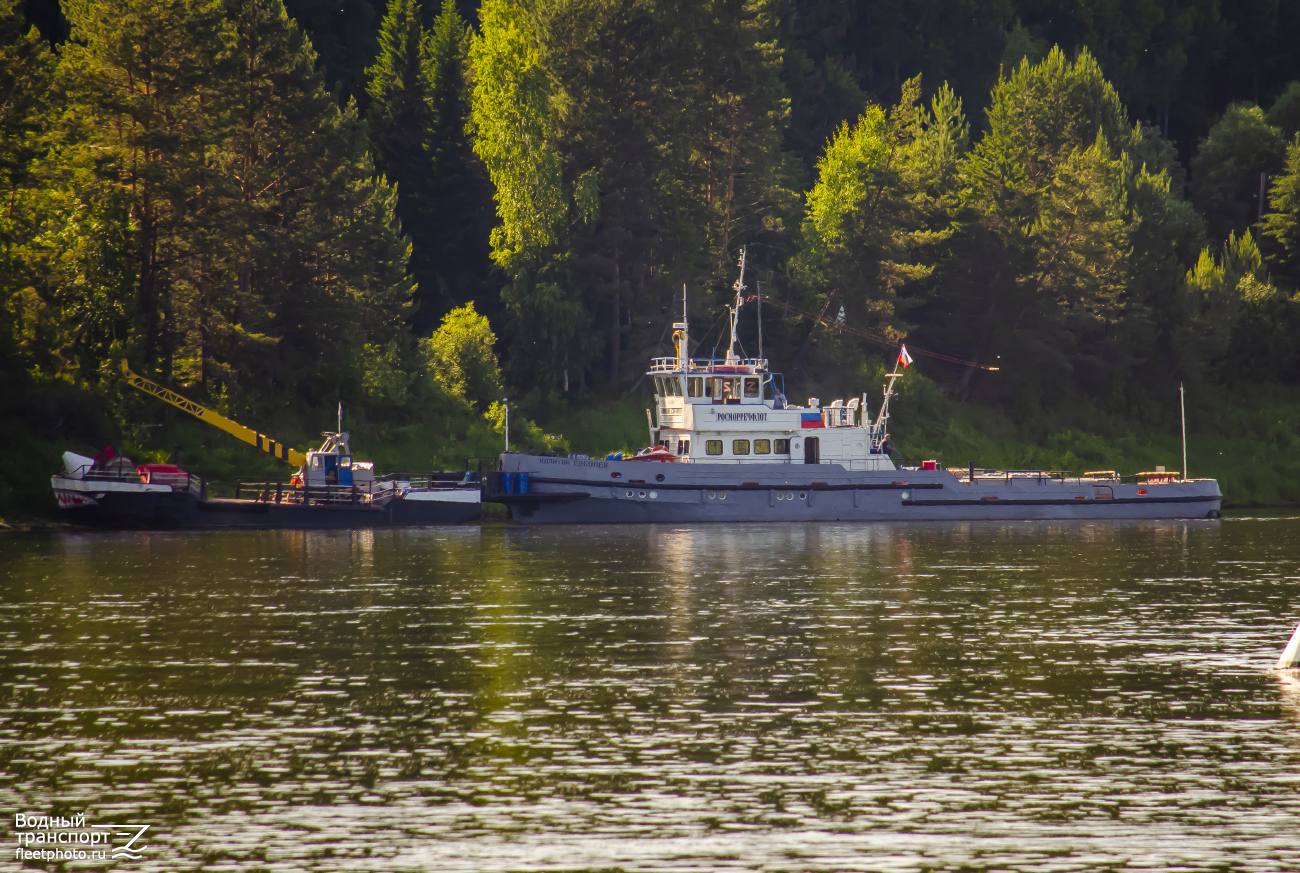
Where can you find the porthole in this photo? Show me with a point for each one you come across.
(722, 495)
(659, 477)
(780, 495)
(712, 495)
(803, 496)
(640, 494)
(629, 494)
(654, 495)
(906, 495)
(789, 495)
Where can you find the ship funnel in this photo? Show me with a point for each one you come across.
(1291, 654)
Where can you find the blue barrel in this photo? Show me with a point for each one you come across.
(522, 483)
(507, 483)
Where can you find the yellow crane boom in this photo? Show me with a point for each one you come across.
(235, 429)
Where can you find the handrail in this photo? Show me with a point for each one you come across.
(706, 366)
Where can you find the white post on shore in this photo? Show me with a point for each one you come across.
(506, 403)
(1182, 409)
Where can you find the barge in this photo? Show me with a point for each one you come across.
(329, 490)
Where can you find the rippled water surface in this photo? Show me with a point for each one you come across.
(823, 697)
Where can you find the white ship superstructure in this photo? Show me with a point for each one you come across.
(734, 411)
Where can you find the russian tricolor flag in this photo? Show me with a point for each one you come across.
(903, 357)
(811, 419)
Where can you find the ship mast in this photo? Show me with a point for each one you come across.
(682, 335)
(877, 435)
(735, 310)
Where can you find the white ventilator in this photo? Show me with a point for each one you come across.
(1291, 654)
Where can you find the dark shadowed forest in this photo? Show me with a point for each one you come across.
(420, 210)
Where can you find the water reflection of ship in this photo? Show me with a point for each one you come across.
(1288, 682)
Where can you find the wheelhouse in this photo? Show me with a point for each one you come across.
(734, 410)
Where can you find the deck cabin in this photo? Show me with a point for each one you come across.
(734, 411)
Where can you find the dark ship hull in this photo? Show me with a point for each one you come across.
(181, 510)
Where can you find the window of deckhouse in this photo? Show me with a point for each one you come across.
(782, 447)
(695, 386)
(713, 447)
(762, 447)
(740, 447)
(751, 387)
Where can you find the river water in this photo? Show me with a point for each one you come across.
(1037, 696)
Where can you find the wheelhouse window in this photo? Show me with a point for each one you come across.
(752, 387)
(740, 447)
(762, 447)
(713, 447)
(781, 447)
(695, 386)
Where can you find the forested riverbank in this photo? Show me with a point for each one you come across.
(419, 211)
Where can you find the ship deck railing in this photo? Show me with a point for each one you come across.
(379, 491)
(706, 366)
(1056, 477)
(87, 473)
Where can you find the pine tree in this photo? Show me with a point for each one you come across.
(401, 120)
(316, 249)
(26, 74)
(739, 119)
(268, 261)
(26, 71)
(145, 112)
(460, 216)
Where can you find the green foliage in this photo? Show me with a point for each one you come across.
(1284, 114)
(513, 134)
(263, 237)
(460, 358)
(1282, 223)
(1226, 169)
(416, 119)
(634, 145)
(184, 190)
(1046, 214)
(876, 206)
